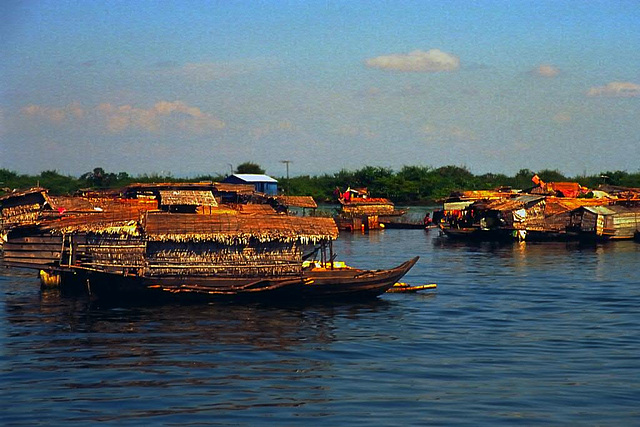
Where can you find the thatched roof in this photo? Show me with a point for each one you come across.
(254, 209)
(223, 187)
(124, 221)
(187, 198)
(514, 204)
(297, 201)
(232, 229)
(207, 185)
(22, 193)
(557, 205)
(69, 203)
(362, 201)
(553, 205)
(17, 198)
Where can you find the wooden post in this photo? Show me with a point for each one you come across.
(331, 253)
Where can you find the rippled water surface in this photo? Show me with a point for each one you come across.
(520, 333)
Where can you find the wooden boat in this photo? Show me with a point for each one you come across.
(406, 288)
(127, 250)
(477, 234)
(313, 284)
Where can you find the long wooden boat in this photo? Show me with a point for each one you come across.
(128, 247)
(477, 234)
(313, 284)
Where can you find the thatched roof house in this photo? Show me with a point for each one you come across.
(305, 202)
(232, 229)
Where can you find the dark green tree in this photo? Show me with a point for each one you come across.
(249, 167)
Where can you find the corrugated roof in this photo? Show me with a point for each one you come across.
(249, 177)
(599, 210)
(514, 204)
(457, 206)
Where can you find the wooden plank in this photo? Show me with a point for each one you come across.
(32, 246)
(54, 255)
(42, 239)
(32, 262)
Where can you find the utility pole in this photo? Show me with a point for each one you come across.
(286, 162)
(230, 168)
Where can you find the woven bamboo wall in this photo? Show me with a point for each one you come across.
(368, 210)
(108, 252)
(21, 214)
(208, 258)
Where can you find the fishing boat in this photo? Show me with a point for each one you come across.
(402, 287)
(312, 285)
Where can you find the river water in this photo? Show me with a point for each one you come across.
(536, 334)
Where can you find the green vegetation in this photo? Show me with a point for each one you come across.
(98, 178)
(249, 167)
(409, 185)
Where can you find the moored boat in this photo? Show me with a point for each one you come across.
(129, 251)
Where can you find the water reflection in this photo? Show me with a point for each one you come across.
(547, 331)
(227, 357)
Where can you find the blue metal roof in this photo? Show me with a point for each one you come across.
(248, 177)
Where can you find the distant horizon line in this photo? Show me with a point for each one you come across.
(193, 175)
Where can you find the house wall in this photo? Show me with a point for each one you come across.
(209, 258)
(625, 224)
(270, 188)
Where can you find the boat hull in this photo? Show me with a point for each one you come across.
(324, 284)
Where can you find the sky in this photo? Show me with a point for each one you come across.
(198, 87)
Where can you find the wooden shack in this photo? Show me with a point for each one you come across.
(231, 245)
(21, 207)
(607, 222)
(149, 244)
(187, 201)
(364, 212)
(297, 202)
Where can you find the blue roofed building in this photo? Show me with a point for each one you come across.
(262, 183)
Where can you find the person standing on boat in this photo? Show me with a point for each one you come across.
(427, 219)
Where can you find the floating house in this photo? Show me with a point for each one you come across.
(261, 183)
(20, 207)
(607, 222)
(358, 211)
(167, 239)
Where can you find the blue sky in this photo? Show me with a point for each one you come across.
(191, 87)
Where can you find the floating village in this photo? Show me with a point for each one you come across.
(241, 239)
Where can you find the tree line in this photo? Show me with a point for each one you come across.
(409, 185)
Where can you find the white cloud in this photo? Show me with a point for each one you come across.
(164, 115)
(356, 131)
(616, 90)
(270, 128)
(432, 132)
(546, 70)
(431, 61)
(51, 114)
(562, 118)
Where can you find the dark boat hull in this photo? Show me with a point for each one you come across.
(325, 284)
(477, 234)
